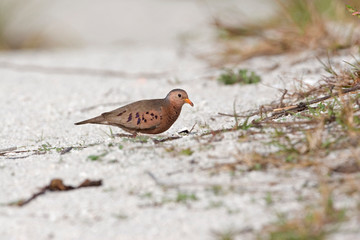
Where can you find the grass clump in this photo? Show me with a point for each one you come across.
(242, 76)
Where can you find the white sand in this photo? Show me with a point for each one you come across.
(39, 107)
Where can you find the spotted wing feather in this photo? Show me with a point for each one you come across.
(139, 116)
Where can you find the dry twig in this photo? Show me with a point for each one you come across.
(57, 185)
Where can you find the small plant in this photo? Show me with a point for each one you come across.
(245, 125)
(242, 76)
(110, 134)
(215, 204)
(186, 152)
(183, 197)
(285, 145)
(121, 216)
(269, 199)
(46, 147)
(217, 190)
(147, 195)
(257, 167)
(97, 157)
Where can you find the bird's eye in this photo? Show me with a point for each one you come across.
(179, 95)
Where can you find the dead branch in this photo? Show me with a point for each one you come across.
(302, 106)
(277, 112)
(57, 185)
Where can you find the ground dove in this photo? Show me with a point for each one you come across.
(146, 116)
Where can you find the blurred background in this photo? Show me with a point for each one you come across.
(276, 26)
(67, 23)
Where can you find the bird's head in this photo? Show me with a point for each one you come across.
(178, 97)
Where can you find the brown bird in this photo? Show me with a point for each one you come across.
(151, 116)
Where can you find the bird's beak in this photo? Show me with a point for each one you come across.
(188, 101)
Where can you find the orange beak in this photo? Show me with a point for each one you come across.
(188, 101)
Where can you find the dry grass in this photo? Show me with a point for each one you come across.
(304, 126)
(320, 25)
(308, 127)
(315, 222)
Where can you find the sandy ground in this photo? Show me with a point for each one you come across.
(41, 101)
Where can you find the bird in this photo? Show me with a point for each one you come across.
(151, 116)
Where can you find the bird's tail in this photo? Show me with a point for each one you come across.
(95, 120)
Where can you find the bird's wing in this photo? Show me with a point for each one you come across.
(141, 115)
